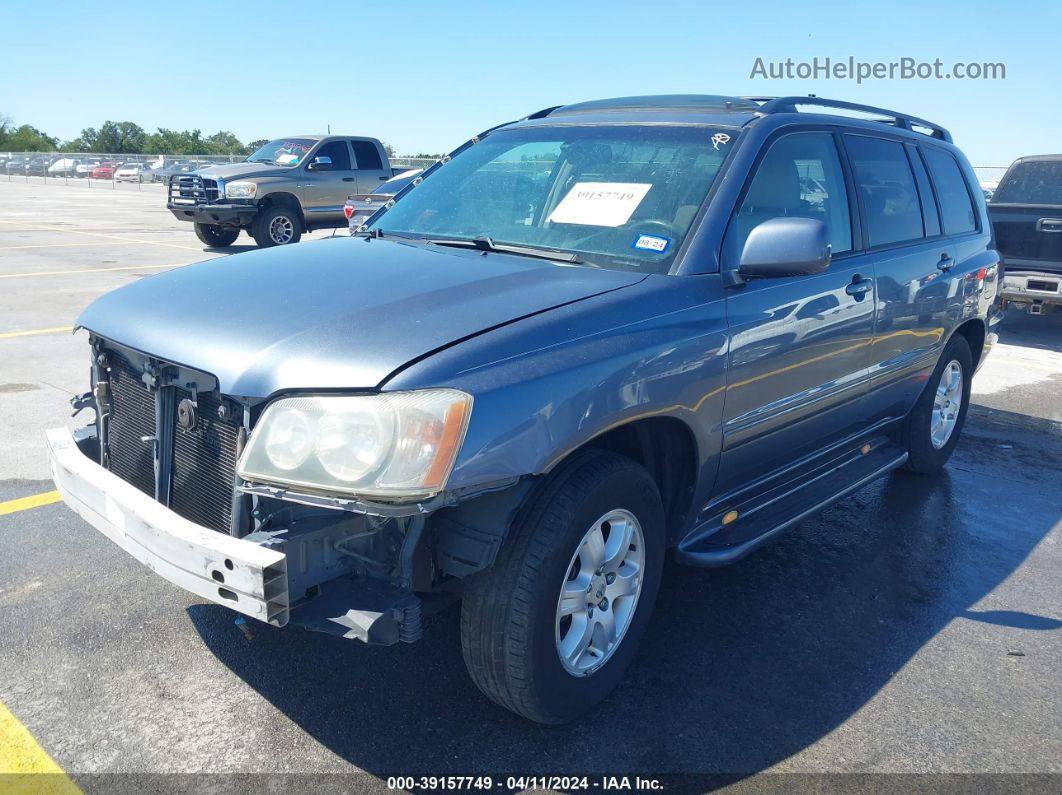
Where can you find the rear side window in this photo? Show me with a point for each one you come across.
(929, 204)
(367, 155)
(886, 186)
(955, 203)
(800, 176)
(1031, 182)
(337, 150)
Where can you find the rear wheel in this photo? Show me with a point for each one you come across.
(549, 630)
(277, 225)
(933, 426)
(214, 235)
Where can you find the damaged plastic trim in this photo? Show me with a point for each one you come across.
(354, 505)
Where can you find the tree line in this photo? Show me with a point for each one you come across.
(126, 137)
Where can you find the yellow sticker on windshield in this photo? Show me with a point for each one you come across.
(600, 203)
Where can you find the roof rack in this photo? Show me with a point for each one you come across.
(901, 120)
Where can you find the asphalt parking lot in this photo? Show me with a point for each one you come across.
(915, 627)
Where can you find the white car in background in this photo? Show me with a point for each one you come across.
(133, 172)
(64, 167)
(84, 168)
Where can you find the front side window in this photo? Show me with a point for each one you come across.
(955, 204)
(801, 177)
(886, 185)
(613, 196)
(337, 151)
(287, 152)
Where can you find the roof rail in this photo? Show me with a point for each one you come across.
(901, 120)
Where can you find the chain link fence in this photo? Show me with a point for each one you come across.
(100, 169)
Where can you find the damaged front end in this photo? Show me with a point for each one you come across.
(157, 473)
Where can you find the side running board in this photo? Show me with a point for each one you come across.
(758, 521)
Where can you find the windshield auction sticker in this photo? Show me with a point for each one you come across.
(600, 203)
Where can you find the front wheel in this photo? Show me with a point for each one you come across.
(216, 236)
(277, 225)
(933, 426)
(549, 630)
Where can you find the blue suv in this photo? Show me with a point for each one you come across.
(583, 339)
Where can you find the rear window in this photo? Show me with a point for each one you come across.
(1031, 182)
(886, 186)
(956, 207)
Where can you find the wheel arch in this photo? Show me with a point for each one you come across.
(975, 332)
(468, 536)
(287, 199)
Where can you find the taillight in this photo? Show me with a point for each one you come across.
(348, 210)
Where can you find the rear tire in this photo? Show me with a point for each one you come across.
(514, 621)
(277, 225)
(216, 236)
(933, 426)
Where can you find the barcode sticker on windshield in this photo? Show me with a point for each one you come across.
(600, 203)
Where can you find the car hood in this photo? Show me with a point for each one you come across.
(228, 171)
(338, 313)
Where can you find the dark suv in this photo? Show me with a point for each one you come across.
(604, 331)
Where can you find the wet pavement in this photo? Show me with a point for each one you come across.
(912, 628)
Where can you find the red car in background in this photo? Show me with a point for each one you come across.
(104, 171)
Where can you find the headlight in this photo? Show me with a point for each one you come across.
(240, 190)
(398, 445)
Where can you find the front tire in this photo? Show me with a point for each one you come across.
(216, 236)
(933, 426)
(550, 628)
(276, 225)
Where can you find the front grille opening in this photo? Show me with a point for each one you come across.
(132, 420)
(203, 457)
(204, 465)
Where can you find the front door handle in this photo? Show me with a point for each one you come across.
(859, 287)
(946, 263)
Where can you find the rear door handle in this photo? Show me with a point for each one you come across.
(946, 262)
(384, 179)
(859, 287)
(348, 179)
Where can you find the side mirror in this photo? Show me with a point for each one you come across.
(321, 163)
(786, 247)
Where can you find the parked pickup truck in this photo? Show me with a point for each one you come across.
(289, 186)
(602, 333)
(1026, 214)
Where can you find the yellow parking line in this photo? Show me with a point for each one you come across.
(8, 334)
(26, 766)
(71, 245)
(97, 234)
(25, 503)
(91, 270)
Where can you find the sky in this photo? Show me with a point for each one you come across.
(425, 76)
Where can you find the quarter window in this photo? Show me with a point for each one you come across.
(955, 204)
(886, 186)
(337, 150)
(801, 177)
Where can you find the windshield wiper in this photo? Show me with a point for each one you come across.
(486, 244)
(258, 160)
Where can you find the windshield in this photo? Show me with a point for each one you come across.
(283, 152)
(1031, 182)
(615, 196)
